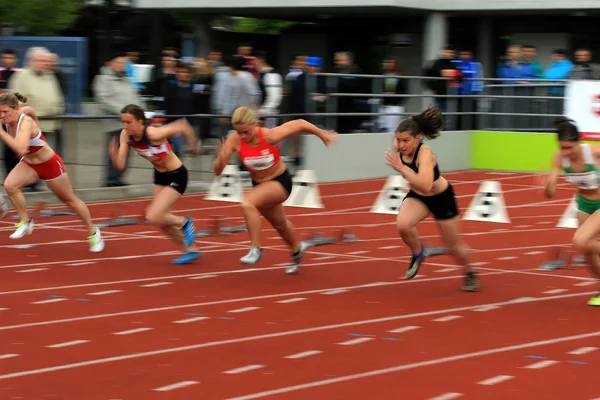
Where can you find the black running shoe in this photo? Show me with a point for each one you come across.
(415, 264)
(471, 282)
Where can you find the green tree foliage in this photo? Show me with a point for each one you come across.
(40, 17)
(236, 24)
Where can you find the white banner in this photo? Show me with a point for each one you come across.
(582, 105)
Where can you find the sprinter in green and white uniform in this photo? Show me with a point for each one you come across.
(579, 161)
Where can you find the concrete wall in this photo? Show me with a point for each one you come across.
(361, 156)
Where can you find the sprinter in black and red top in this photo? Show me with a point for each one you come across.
(258, 149)
(170, 175)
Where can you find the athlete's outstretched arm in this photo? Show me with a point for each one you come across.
(21, 143)
(156, 134)
(552, 179)
(225, 150)
(295, 127)
(119, 148)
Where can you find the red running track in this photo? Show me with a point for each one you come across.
(126, 324)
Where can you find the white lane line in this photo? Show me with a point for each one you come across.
(129, 332)
(495, 380)
(324, 258)
(583, 350)
(49, 301)
(32, 270)
(448, 318)
(444, 270)
(5, 356)
(243, 369)
(554, 291)
(67, 344)
(203, 277)
(355, 341)
(336, 291)
(388, 247)
(292, 300)
(189, 320)
(80, 264)
(486, 308)
(404, 329)
(174, 386)
(303, 354)
(541, 364)
(157, 284)
(532, 253)
(586, 283)
(359, 252)
(447, 396)
(506, 258)
(245, 309)
(104, 292)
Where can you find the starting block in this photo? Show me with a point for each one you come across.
(41, 211)
(219, 228)
(563, 259)
(118, 220)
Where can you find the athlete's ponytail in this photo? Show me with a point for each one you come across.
(21, 98)
(566, 130)
(429, 124)
(12, 99)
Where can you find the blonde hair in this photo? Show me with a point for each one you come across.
(12, 99)
(243, 116)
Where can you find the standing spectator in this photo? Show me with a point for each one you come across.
(443, 67)
(203, 78)
(513, 70)
(215, 59)
(39, 83)
(113, 92)
(392, 84)
(470, 69)
(179, 100)
(559, 69)
(60, 76)
(245, 51)
(583, 69)
(132, 58)
(533, 68)
(162, 75)
(271, 87)
(347, 84)
(9, 60)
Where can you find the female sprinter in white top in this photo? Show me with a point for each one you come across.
(22, 133)
(258, 149)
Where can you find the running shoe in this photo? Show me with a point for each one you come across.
(297, 259)
(415, 264)
(253, 256)
(23, 228)
(96, 242)
(189, 232)
(471, 283)
(187, 258)
(595, 301)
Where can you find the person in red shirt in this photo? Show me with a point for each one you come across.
(258, 149)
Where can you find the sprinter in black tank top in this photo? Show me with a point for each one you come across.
(429, 192)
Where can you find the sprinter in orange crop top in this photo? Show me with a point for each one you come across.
(258, 149)
(21, 132)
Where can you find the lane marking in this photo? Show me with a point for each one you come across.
(271, 296)
(355, 341)
(388, 247)
(157, 284)
(444, 270)
(359, 252)
(447, 396)
(292, 300)
(104, 292)
(49, 301)
(307, 353)
(174, 386)
(243, 369)
(338, 291)
(324, 258)
(486, 308)
(541, 364)
(5, 356)
(448, 318)
(495, 380)
(131, 331)
(419, 364)
(189, 320)
(67, 344)
(506, 258)
(588, 283)
(583, 350)
(554, 291)
(245, 309)
(33, 270)
(203, 276)
(78, 264)
(532, 253)
(404, 329)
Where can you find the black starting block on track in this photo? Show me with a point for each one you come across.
(118, 220)
(343, 236)
(219, 228)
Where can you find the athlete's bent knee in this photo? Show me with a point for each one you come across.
(11, 187)
(247, 206)
(153, 218)
(281, 226)
(404, 226)
(581, 242)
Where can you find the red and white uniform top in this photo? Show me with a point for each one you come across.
(36, 143)
(150, 151)
(261, 157)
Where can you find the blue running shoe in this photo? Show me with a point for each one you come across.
(189, 232)
(187, 258)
